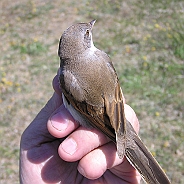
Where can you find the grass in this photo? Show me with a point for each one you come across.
(145, 40)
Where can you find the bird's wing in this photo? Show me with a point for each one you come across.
(103, 108)
(93, 115)
(107, 118)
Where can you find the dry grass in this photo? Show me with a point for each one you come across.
(145, 40)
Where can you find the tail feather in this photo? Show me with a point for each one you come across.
(139, 156)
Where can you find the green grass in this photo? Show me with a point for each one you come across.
(32, 47)
(145, 40)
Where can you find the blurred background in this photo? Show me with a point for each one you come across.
(145, 40)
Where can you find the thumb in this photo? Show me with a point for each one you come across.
(54, 103)
(37, 133)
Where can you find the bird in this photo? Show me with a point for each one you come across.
(92, 94)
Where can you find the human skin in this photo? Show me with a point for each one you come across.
(56, 149)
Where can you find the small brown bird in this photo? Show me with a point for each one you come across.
(92, 94)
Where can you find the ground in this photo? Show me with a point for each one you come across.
(145, 40)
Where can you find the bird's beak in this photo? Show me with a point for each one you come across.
(92, 23)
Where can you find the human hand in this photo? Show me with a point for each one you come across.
(55, 149)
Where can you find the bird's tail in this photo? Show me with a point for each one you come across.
(139, 156)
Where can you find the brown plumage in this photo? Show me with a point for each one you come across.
(92, 94)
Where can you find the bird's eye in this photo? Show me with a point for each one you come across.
(87, 33)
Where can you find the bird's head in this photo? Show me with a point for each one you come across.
(76, 39)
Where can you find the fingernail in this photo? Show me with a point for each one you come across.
(59, 121)
(81, 170)
(69, 146)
